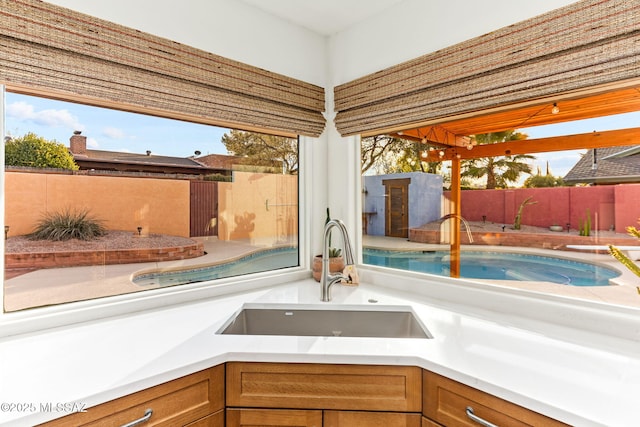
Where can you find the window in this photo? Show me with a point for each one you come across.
(538, 221)
(181, 204)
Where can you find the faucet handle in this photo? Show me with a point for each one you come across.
(351, 275)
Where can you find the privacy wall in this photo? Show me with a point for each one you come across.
(610, 207)
(156, 205)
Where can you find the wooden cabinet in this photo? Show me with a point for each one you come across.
(323, 395)
(323, 386)
(196, 400)
(249, 417)
(241, 394)
(446, 401)
(370, 419)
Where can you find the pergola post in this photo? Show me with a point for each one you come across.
(454, 229)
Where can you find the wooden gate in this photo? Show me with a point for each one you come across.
(204, 208)
(397, 207)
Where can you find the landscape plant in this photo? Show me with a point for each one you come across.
(584, 225)
(517, 222)
(625, 260)
(66, 225)
(35, 151)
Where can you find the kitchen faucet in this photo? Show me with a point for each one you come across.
(327, 279)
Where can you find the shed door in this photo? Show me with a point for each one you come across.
(204, 208)
(397, 207)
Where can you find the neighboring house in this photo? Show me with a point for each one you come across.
(88, 159)
(610, 165)
(238, 163)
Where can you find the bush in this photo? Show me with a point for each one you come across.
(68, 225)
(34, 151)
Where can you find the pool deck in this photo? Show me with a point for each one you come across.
(60, 285)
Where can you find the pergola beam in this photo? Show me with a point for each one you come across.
(611, 138)
(434, 135)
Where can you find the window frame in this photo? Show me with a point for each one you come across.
(40, 318)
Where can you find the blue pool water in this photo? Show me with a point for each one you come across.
(496, 265)
(260, 261)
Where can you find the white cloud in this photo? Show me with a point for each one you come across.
(114, 133)
(92, 143)
(56, 118)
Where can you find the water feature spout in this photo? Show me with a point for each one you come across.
(464, 221)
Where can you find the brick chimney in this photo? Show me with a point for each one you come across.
(78, 143)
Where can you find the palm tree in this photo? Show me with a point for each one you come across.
(498, 170)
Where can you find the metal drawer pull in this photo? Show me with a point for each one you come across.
(146, 417)
(477, 419)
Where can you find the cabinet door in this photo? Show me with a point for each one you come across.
(323, 386)
(175, 403)
(239, 417)
(370, 419)
(213, 420)
(426, 422)
(446, 401)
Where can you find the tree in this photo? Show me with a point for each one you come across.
(539, 180)
(378, 152)
(394, 155)
(34, 151)
(263, 150)
(498, 170)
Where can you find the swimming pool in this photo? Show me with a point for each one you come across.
(265, 260)
(496, 265)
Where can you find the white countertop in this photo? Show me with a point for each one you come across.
(95, 362)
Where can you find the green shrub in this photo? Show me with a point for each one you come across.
(66, 225)
(34, 151)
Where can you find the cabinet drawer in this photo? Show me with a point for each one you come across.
(446, 402)
(321, 386)
(175, 403)
(247, 417)
(370, 419)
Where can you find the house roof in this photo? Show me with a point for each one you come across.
(100, 159)
(150, 159)
(610, 165)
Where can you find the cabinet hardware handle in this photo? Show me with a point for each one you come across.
(146, 417)
(477, 419)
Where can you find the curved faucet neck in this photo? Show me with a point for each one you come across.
(326, 278)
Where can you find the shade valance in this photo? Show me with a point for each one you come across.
(583, 45)
(63, 52)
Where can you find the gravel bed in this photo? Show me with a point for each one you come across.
(111, 240)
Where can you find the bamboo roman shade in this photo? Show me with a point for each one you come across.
(60, 51)
(583, 45)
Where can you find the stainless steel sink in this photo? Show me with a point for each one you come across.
(382, 322)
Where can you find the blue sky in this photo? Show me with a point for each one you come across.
(562, 161)
(120, 131)
(109, 129)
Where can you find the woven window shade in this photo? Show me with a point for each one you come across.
(60, 51)
(583, 45)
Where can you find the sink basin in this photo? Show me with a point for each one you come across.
(382, 322)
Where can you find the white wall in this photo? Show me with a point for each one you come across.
(413, 28)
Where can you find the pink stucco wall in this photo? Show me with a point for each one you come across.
(610, 206)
